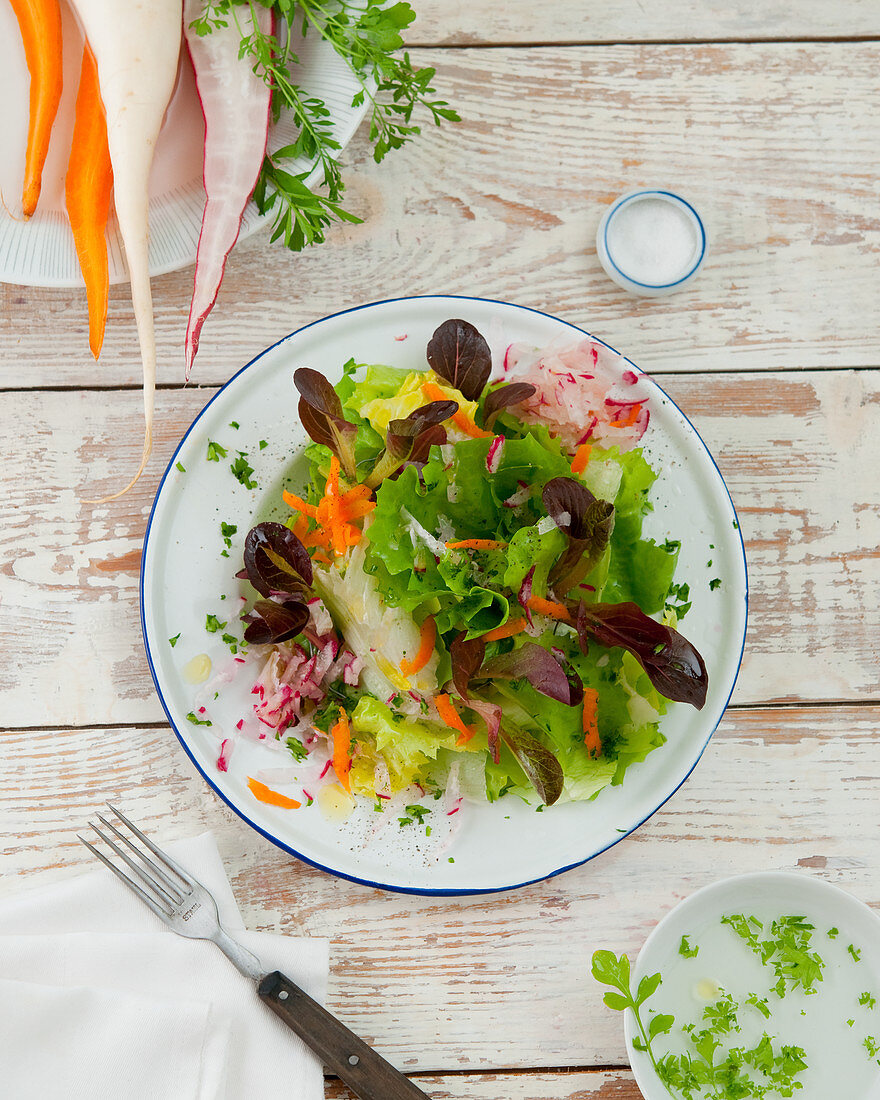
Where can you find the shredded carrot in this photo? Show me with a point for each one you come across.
(446, 710)
(460, 419)
(428, 637)
(357, 509)
(301, 527)
(300, 505)
(87, 188)
(591, 722)
(513, 626)
(476, 544)
(357, 492)
(581, 458)
(321, 558)
(631, 417)
(40, 24)
(341, 734)
(548, 607)
(272, 798)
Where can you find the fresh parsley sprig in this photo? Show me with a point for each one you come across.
(368, 37)
(609, 969)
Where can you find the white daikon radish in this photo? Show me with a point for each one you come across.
(235, 103)
(136, 44)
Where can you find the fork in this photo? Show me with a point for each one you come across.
(189, 909)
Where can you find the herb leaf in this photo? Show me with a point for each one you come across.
(460, 356)
(320, 411)
(585, 521)
(272, 622)
(673, 665)
(276, 561)
(514, 393)
(540, 765)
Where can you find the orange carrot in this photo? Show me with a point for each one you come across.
(513, 626)
(581, 458)
(591, 722)
(341, 734)
(40, 25)
(476, 544)
(272, 798)
(548, 607)
(448, 713)
(460, 419)
(299, 505)
(428, 636)
(631, 417)
(87, 189)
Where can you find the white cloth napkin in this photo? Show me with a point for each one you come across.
(98, 999)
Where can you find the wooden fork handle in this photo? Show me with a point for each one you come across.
(365, 1072)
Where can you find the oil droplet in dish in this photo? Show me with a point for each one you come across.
(335, 803)
(198, 669)
(707, 989)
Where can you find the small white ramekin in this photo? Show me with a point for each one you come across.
(632, 281)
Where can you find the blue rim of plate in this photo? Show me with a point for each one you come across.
(422, 892)
(624, 200)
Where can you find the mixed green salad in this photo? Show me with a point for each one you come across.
(462, 595)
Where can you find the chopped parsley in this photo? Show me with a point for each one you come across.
(867, 1000)
(419, 813)
(227, 530)
(714, 583)
(180, 466)
(297, 749)
(678, 599)
(263, 444)
(235, 644)
(833, 933)
(173, 641)
(856, 952)
(242, 470)
(213, 624)
(234, 424)
(215, 451)
(196, 721)
(685, 949)
(786, 949)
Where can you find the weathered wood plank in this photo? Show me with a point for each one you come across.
(775, 143)
(798, 453)
(455, 22)
(482, 983)
(584, 1085)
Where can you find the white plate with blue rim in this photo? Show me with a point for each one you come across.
(185, 578)
(40, 252)
(837, 1026)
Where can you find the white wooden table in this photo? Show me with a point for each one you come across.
(766, 114)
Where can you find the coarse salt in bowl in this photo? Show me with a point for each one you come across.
(651, 242)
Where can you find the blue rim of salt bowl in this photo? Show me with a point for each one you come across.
(631, 196)
(420, 891)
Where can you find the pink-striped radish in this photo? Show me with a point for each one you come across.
(136, 45)
(235, 103)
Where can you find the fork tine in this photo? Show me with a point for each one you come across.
(171, 864)
(145, 898)
(171, 887)
(150, 883)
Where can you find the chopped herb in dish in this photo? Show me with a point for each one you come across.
(215, 451)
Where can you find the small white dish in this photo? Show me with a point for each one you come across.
(40, 252)
(184, 576)
(651, 242)
(838, 1064)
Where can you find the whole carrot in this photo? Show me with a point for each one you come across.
(87, 188)
(40, 25)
